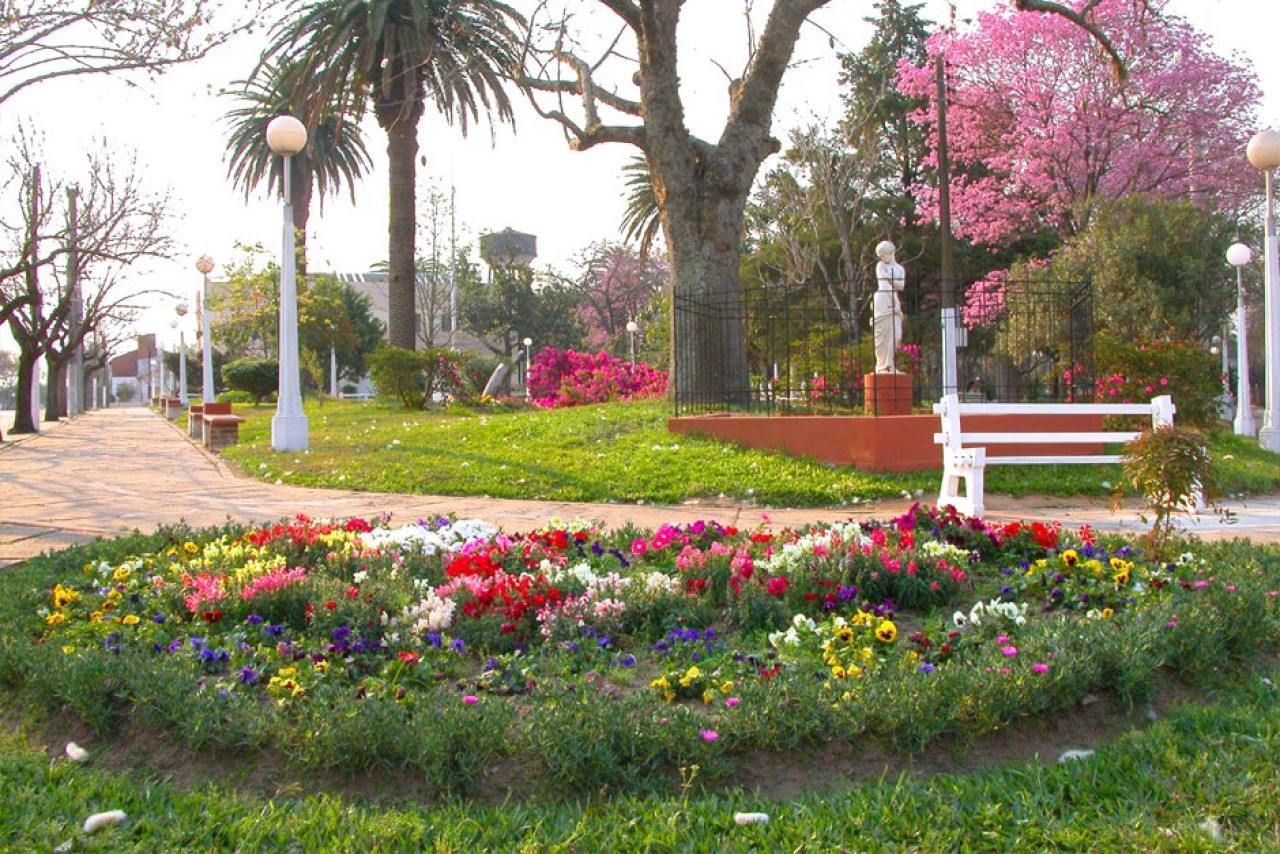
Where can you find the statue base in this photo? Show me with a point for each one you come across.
(887, 394)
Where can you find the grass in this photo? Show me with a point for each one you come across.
(623, 452)
(1202, 779)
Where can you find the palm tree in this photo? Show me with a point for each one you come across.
(335, 154)
(458, 53)
(641, 220)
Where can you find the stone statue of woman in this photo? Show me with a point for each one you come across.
(886, 310)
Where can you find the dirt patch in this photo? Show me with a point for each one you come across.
(773, 775)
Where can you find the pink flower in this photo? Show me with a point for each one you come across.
(710, 735)
(639, 547)
(1164, 381)
(732, 701)
(1009, 651)
(470, 699)
(1002, 639)
(1040, 668)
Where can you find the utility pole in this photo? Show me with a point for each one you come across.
(946, 270)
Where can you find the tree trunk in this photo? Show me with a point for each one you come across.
(300, 200)
(402, 152)
(55, 404)
(22, 420)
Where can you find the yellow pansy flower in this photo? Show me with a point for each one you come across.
(56, 618)
(886, 632)
(121, 574)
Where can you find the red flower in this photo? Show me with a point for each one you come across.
(777, 586)
(410, 657)
(211, 616)
(331, 605)
(352, 592)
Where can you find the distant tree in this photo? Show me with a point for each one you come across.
(334, 156)
(257, 377)
(1039, 130)
(614, 284)
(515, 304)
(404, 54)
(333, 314)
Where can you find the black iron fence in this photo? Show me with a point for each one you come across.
(807, 348)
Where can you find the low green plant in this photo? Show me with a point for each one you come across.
(256, 377)
(1171, 468)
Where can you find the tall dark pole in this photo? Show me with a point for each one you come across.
(75, 370)
(946, 271)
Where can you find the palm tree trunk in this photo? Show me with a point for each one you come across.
(402, 153)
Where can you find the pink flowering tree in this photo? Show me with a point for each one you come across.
(1039, 124)
(614, 285)
(559, 378)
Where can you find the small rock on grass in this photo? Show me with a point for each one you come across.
(1074, 755)
(99, 820)
(745, 818)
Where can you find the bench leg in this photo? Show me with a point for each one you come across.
(965, 468)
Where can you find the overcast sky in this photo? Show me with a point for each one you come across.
(527, 179)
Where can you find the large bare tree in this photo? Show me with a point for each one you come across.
(701, 186)
(43, 40)
(117, 222)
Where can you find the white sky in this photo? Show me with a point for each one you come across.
(528, 180)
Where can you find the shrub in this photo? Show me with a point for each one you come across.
(1172, 469)
(568, 378)
(1136, 371)
(415, 376)
(235, 397)
(256, 377)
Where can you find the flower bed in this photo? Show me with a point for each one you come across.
(599, 659)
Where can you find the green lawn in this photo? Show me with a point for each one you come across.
(623, 452)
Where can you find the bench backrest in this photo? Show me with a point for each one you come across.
(217, 409)
(1161, 411)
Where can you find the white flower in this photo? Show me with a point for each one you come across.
(959, 619)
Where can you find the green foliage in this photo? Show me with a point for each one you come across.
(415, 377)
(1171, 468)
(1156, 266)
(1137, 369)
(511, 307)
(257, 377)
(234, 397)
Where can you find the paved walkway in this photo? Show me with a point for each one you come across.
(119, 469)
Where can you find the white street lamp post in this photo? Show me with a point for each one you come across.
(286, 136)
(1237, 256)
(333, 371)
(181, 309)
(1263, 152)
(528, 342)
(632, 329)
(205, 265)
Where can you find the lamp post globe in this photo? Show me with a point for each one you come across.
(181, 310)
(1263, 153)
(1238, 255)
(204, 264)
(632, 329)
(528, 343)
(286, 136)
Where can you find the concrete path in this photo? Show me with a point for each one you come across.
(121, 469)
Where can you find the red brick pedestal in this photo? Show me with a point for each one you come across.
(887, 394)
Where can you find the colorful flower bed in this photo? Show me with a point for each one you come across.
(447, 645)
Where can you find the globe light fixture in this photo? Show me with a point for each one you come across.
(1239, 255)
(632, 329)
(286, 136)
(181, 310)
(1263, 152)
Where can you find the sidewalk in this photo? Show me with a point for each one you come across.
(115, 470)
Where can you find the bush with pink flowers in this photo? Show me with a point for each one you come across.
(559, 378)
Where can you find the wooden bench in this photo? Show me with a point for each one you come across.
(219, 427)
(965, 458)
(171, 407)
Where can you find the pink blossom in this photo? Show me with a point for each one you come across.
(1009, 651)
(710, 735)
(1040, 668)
(639, 547)
(732, 701)
(470, 699)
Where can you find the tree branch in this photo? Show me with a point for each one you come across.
(1079, 19)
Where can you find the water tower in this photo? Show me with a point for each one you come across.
(508, 248)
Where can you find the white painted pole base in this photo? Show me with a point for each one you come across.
(289, 432)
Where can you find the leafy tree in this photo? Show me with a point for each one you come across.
(416, 376)
(1039, 130)
(701, 187)
(402, 54)
(333, 314)
(514, 305)
(334, 155)
(615, 284)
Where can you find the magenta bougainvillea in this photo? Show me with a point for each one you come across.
(560, 378)
(1039, 123)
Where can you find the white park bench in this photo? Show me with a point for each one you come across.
(964, 455)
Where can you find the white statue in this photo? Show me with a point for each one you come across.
(886, 310)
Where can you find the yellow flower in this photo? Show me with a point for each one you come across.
(321, 666)
(56, 618)
(1121, 578)
(668, 695)
(1108, 613)
(95, 617)
(108, 605)
(708, 697)
(862, 618)
(726, 688)
(660, 682)
(62, 596)
(121, 574)
(865, 654)
(190, 547)
(1071, 557)
(286, 672)
(298, 691)
(839, 672)
(886, 632)
(130, 620)
(115, 594)
(68, 649)
(854, 670)
(1094, 566)
(845, 635)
